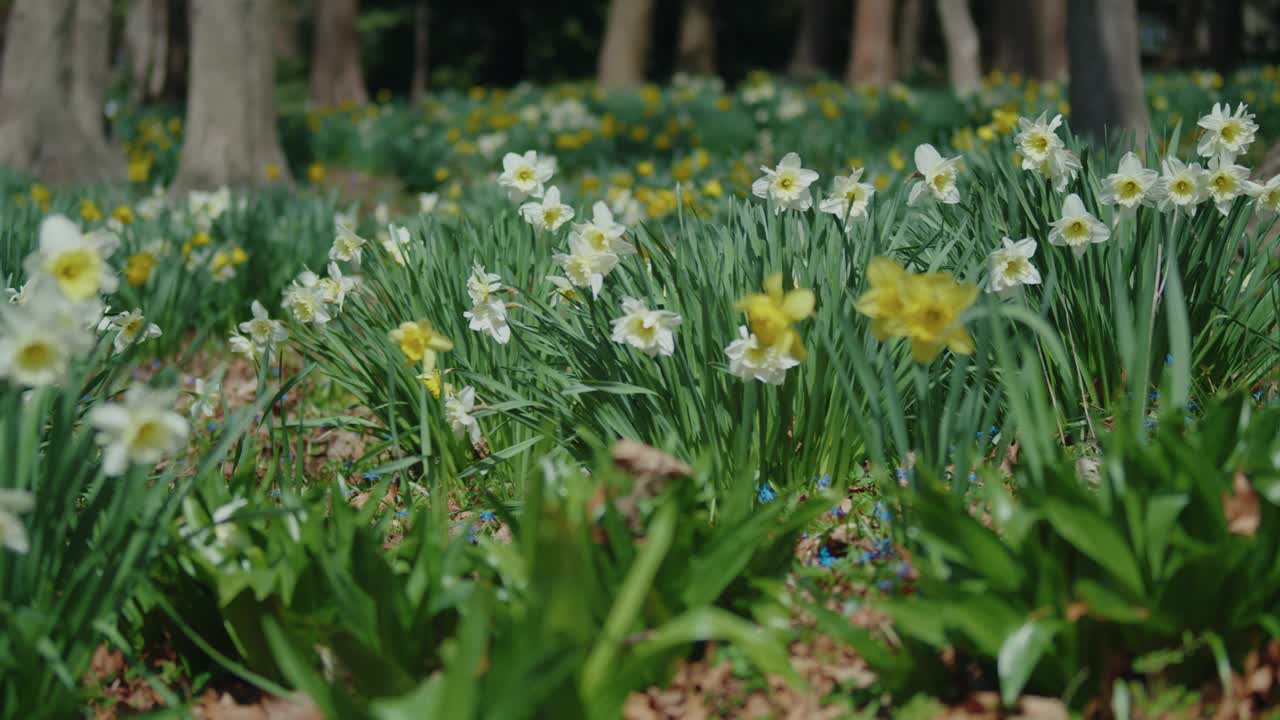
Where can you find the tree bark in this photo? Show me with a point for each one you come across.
(90, 62)
(696, 49)
(871, 57)
(50, 123)
(231, 121)
(964, 57)
(1051, 26)
(812, 46)
(421, 49)
(146, 41)
(910, 23)
(1226, 28)
(337, 75)
(626, 43)
(1106, 91)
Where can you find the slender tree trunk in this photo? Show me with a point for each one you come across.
(1051, 27)
(696, 49)
(231, 121)
(1014, 38)
(146, 41)
(964, 55)
(421, 49)
(337, 75)
(871, 57)
(910, 23)
(50, 125)
(812, 46)
(626, 43)
(1106, 92)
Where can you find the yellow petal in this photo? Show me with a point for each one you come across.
(773, 287)
(798, 304)
(439, 343)
(924, 352)
(960, 341)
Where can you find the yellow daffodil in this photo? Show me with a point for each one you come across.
(138, 267)
(123, 214)
(315, 173)
(89, 211)
(770, 315)
(882, 301)
(925, 308)
(419, 341)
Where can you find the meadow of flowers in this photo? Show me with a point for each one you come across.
(775, 401)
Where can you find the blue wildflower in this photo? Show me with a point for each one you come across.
(825, 558)
(488, 516)
(766, 494)
(824, 481)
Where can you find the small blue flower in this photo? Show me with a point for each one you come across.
(1168, 359)
(838, 511)
(880, 511)
(1155, 395)
(824, 481)
(212, 426)
(766, 494)
(973, 476)
(1151, 422)
(275, 491)
(402, 513)
(488, 516)
(885, 585)
(825, 559)
(275, 372)
(1257, 395)
(372, 475)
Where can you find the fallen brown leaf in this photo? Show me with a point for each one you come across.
(1242, 509)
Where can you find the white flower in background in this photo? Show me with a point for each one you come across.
(427, 202)
(241, 345)
(206, 207)
(1267, 196)
(939, 176)
(142, 428)
(262, 331)
(1225, 181)
(1184, 185)
(381, 214)
(150, 207)
(394, 242)
(488, 313)
(1131, 185)
(786, 186)
(547, 214)
(792, 105)
(305, 301)
(75, 262)
(131, 327)
(204, 399)
(458, 409)
(347, 246)
(13, 534)
(490, 144)
(18, 295)
(482, 285)
(564, 290)
(222, 538)
(1077, 229)
(751, 359)
(335, 288)
(628, 209)
(1226, 135)
(1011, 265)
(602, 233)
(36, 348)
(849, 198)
(584, 267)
(525, 175)
(1060, 168)
(652, 332)
(758, 93)
(1038, 141)
(350, 218)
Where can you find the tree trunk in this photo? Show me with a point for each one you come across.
(910, 23)
(50, 124)
(421, 49)
(871, 57)
(336, 73)
(812, 46)
(231, 121)
(964, 56)
(696, 50)
(286, 37)
(626, 43)
(90, 62)
(1013, 43)
(1106, 91)
(146, 41)
(1051, 24)
(1184, 48)
(1226, 30)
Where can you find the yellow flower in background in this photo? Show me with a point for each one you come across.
(682, 171)
(432, 381)
(987, 132)
(123, 214)
(662, 142)
(200, 238)
(1160, 102)
(639, 133)
(609, 125)
(138, 267)
(724, 103)
(139, 168)
(925, 308)
(829, 109)
(644, 168)
(441, 174)
(174, 125)
(40, 196)
(476, 92)
(880, 181)
(589, 183)
(896, 161)
(272, 171)
(1004, 121)
(239, 256)
(420, 342)
(89, 211)
(315, 173)
(713, 189)
(771, 314)
(453, 135)
(1064, 107)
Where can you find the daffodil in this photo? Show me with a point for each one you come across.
(1037, 140)
(131, 328)
(751, 359)
(585, 267)
(932, 304)
(75, 262)
(305, 300)
(204, 398)
(1184, 185)
(1226, 134)
(786, 186)
(36, 348)
(1061, 167)
(1267, 196)
(525, 175)
(1131, 185)
(262, 331)
(602, 233)
(138, 267)
(652, 332)
(939, 177)
(141, 429)
(347, 246)
(13, 534)
(849, 198)
(1225, 181)
(1011, 265)
(427, 202)
(549, 213)
(458, 411)
(1077, 228)
(771, 314)
(419, 342)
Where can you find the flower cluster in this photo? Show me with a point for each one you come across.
(925, 308)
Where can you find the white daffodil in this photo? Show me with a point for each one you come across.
(1037, 141)
(241, 345)
(206, 207)
(652, 332)
(786, 186)
(381, 214)
(75, 262)
(584, 267)
(1184, 185)
(490, 144)
(1077, 228)
(131, 328)
(36, 347)
(335, 288)
(1011, 265)
(204, 399)
(13, 534)
(18, 295)
(850, 198)
(1268, 196)
(1060, 168)
(458, 409)
(347, 246)
(1226, 135)
(427, 202)
(394, 241)
(547, 214)
(142, 428)
(602, 233)
(262, 331)
(1131, 185)
(751, 359)
(564, 291)
(1225, 181)
(628, 210)
(305, 301)
(490, 317)
(482, 284)
(939, 179)
(525, 175)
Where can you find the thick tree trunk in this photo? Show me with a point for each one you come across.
(146, 41)
(910, 23)
(231, 121)
(964, 57)
(50, 125)
(696, 49)
(871, 57)
(626, 43)
(1051, 28)
(421, 49)
(90, 62)
(1014, 39)
(812, 46)
(1106, 72)
(337, 75)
